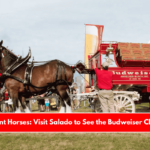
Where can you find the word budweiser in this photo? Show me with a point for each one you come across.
(131, 72)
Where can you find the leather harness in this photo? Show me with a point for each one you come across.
(28, 74)
(60, 81)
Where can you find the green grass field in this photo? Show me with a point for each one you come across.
(74, 141)
(83, 108)
(142, 107)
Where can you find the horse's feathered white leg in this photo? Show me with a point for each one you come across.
(18, 110)
(68, 108)
(27, 110)
(62, 109)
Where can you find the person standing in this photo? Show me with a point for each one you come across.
(42, 103)
(47, 104)
(1, 102)
(5, 102)
(2, 91)
(10, 103)
(34, 100)
(105, 93)
(72, 91)
(77, 96)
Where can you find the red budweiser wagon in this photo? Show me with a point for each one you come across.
(130, 64)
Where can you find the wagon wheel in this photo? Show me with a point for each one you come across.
(124, 104)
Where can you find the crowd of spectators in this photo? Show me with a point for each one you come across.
(6, 104)
(44, 104)
(44, 101)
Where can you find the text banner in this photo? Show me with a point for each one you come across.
(75, 122)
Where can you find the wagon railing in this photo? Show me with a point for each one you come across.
(123, 100)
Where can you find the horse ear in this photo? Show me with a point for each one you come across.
(1, 42)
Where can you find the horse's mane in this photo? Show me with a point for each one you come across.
(46, 62)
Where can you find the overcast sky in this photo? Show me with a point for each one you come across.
(55, 29)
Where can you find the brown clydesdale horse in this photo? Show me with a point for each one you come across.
(43, 78)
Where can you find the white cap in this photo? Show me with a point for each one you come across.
(105, 64)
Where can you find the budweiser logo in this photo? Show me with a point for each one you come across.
(131, 72)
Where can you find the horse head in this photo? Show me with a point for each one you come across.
(1, 54)
(6, 57)
(1, 46)
(1, 43)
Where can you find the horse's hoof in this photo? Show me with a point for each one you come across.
(27, 110)
(62, 109)
(18, 110)
(69, 111)
(68, 108)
